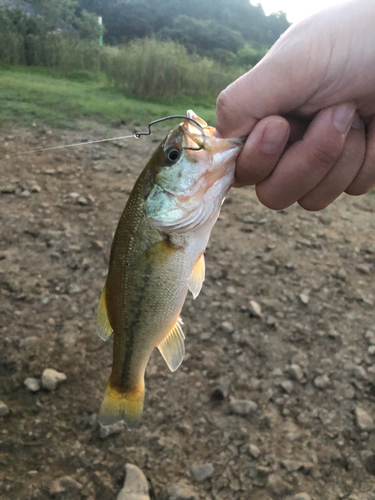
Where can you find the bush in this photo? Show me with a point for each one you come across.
(152, 69)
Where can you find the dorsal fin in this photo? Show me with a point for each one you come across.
(103, 327)
(196, 278)
(172, 348)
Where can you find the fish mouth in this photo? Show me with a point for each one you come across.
(204, 137)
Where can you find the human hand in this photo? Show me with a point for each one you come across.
(307, 142)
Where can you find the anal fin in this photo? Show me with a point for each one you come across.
(197, 277)
(172, 348)
(103, 327)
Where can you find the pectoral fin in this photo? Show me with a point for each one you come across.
(103, 327)
(197, 277)
(172, 348)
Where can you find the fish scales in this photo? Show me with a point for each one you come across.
(156, 256)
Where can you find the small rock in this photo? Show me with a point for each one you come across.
(290, 465)
(341, 274)
(371, 350)
(356, 371)
(286, 386)
(370, 463)
(364, 421)
(26, 193)
(200, 472)
(28, 342)
(296, 372)
(277, 486)
(255, 309)
(301, 496)
(35, 188)
(242, 407)
(51, 378)
(33, 384)
(65, 484)
(82, 200)
(227, 327)
(271, 322)
(220, 391)
(135, 485)
(74, 195)
(108, 430)
(321, 382)
(254, 451)
(179, 491)
(4, 410)
(304, 298)
(363, 269)
(97, 245)
(8, 189)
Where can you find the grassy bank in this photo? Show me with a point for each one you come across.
(29, 95)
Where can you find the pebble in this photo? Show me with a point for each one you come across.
(364, 421)
(296, 372)
(201, 472)
(227, 327)
(65, 484)
(82, 200)
(4, 410)
(51, 378)
(301, 496)
(321, 382)
(304, 298)
(255, 309)
(254, 451)
(242, 407)
(371, 350)
(179, 491)
(286, 386)
(363, 269)
(356, 371)
(220, 391)
(135, 485)
(28, 342)
(33, 384)
(341, 274)
(108, 430)
(277, 486)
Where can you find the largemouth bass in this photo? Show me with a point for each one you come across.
(157, 256)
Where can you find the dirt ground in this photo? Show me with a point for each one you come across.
(307, 361)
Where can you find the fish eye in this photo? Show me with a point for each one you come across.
(174, 154)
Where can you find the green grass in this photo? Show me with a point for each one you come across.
(29, 95)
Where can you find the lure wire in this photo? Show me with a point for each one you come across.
(137, 135)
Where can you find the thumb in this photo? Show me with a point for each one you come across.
(273, 87)
(282, 81)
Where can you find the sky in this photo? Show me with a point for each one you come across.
(295, 9)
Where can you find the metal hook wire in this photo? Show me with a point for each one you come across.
(137, 135)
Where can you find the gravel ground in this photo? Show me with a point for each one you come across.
(276, 395)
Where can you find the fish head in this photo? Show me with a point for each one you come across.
(192, 171)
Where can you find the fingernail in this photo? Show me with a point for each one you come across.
(357, 122)
(343, 117)
(274, 136)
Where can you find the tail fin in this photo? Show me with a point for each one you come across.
(122, 406)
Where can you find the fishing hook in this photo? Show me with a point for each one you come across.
(137, 135)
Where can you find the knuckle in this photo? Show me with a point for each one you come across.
(326, 153)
